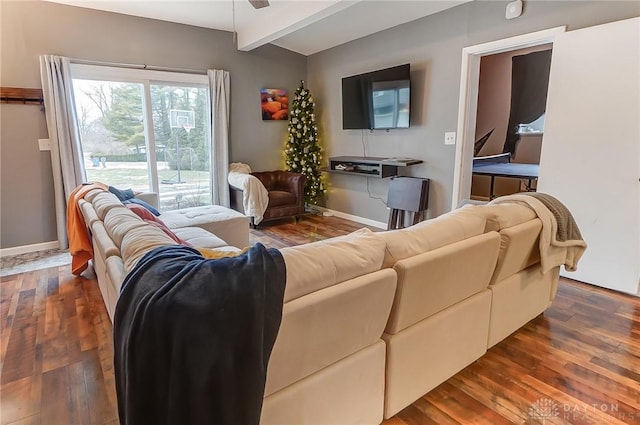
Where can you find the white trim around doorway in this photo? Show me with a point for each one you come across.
(468, 103)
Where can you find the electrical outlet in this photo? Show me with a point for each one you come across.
(450, 138)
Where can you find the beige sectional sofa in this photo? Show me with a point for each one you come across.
(120, 238)
(374, 320)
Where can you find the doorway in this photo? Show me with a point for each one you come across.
(468, 103)
(512, 87)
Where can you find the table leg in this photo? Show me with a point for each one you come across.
(491, 188)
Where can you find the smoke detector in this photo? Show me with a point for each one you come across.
(514, 9)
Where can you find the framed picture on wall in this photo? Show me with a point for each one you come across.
(275, 104)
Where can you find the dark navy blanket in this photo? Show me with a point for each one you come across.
(192, 336)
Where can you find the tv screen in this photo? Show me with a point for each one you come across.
(377, 100)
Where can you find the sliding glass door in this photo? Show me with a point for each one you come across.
(180, 116)
(147, 131)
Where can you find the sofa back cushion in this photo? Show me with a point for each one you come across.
(139, 241)
(103, 202)
(92, 194)
(118, 221)
(425, 236)
(501, 216)
(434, 280)
(519, 249)
(318, 265)
(329, 325)
(88, 212)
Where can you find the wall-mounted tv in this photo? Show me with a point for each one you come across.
(377, 100)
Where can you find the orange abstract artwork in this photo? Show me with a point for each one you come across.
(275, 104)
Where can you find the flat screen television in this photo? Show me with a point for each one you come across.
(377, 100)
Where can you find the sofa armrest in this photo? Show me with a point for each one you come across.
(150, 198)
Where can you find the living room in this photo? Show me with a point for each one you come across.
(432, 45)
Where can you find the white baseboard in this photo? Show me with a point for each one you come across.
(16, 250)
(357, 219)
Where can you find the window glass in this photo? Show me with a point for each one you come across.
(534, 127)
(147, 131)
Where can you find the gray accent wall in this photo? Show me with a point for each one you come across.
(433, 46)
(32, 28)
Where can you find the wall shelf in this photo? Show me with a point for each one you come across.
(368, 166)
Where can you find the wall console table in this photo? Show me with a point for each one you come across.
(368, 166)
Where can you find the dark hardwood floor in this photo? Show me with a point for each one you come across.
(578, 363)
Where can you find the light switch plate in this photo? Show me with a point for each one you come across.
(44, 144)
(450, 138)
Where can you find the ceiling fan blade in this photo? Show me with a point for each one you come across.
(259, 4)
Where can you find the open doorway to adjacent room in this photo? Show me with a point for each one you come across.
(471, 124)
(505, 100)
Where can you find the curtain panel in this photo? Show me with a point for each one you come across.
(529, 83)
(66, 155)
(219, 93)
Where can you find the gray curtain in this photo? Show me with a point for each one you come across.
(219, 92)
(529, 84)
(66, 154)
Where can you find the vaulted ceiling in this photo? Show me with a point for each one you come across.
(303, 26)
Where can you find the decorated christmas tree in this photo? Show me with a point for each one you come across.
(303, 150)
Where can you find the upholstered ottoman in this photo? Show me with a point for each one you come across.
(225, 223)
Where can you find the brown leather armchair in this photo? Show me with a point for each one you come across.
(286, 194)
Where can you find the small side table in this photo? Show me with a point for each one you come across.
(407, 194)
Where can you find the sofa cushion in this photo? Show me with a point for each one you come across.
(160, 225)
(103, 202)
(92, 194)
(199, 216)
(433, 281)
(139, 241)
(501, 216)
(198, 237)
(278, 198)
(119, 221)
(431, 234)
(225, 223)
(103, 245)
(321, 264)
(328, 325)
(88, 213)
(519, 249)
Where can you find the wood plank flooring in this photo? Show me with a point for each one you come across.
(578, 363)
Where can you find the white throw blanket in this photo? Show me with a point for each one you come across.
(554, 251)
(255, 197)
